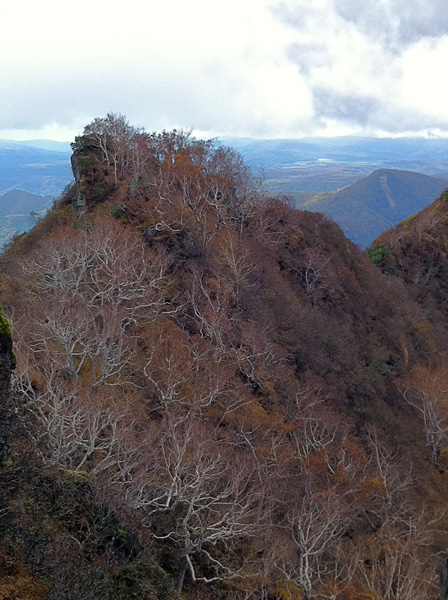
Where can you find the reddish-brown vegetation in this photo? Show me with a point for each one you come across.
(205, 396)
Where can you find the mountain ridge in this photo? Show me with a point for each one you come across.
(375, 203)
(202, 374)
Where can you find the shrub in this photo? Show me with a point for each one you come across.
(377, 255)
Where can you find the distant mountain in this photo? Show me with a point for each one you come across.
(33, 168)
(327, 164)
(274, 153)
(374, 203)
(19, 211)
(32, 175)
(50, 145)
(20, 202)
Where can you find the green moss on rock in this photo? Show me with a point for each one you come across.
(5, 332)
(7, 358)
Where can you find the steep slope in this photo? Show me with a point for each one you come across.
(210, 387)
(377, 202)
(416, 250)
(7, 363)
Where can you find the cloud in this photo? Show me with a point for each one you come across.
(258, 67)
(374, 66)
(333, 105)
(196, 64)
(397, 23)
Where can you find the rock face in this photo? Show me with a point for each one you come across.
(7, 360)
(79, 201)
(7, 363)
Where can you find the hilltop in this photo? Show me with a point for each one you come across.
(216, 394)
(375, 203)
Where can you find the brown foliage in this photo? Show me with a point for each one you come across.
(217, 372)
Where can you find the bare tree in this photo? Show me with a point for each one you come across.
(180, 372)
(208, 493)
(427, 391)
(314, 269)
(315, 523)
(112, 136)
(389, 467)
(208, 301)
(235, 261)
(255, 357)
(75, 431)
(106, 266)
(394, 562)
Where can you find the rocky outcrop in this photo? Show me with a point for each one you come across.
(7, 363)
(79, 201)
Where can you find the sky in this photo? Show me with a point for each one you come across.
(238, 68)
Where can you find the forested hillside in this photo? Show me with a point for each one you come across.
(375, 203)
(215, 396)
(416, 252)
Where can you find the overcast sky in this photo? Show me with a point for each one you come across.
(259, 68)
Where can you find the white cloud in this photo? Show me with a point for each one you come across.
(374, 65)
(248, 67)
(423, 84)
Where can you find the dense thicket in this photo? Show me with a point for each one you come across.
(215, 395)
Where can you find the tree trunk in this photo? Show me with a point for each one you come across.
(181, 575)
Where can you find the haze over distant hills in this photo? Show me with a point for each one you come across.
(19, 211)
(366, 185)
(374, 203)
(40, 167)
(361, 150)
(291, 167)
(32, 174)
(310, 164)
(328, 164)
